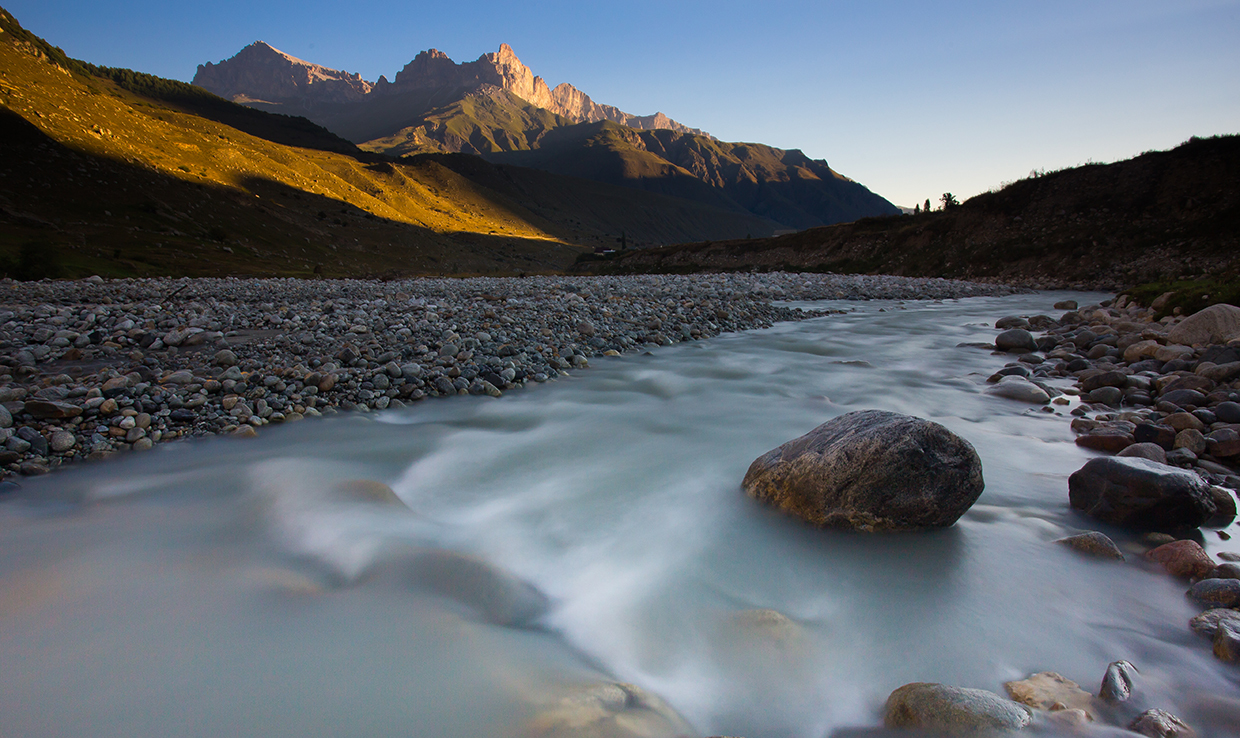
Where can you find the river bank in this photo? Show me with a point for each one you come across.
(95, 367)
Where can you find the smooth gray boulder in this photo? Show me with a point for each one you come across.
(871, 471)
(1139, 493)
(939, 708)
(1020, 389)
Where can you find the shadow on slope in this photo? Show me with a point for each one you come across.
(1160, 216)
(96, 215)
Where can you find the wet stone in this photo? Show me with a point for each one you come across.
(62, 441)
(1118, 682)
(1160, 724)
(1206, 624)
(1139, 493)
(1184, 559)
(1151, 451)
(1093, 543)
(954, 710)
(1216, 593)
(1051, 692)
(1227, 641)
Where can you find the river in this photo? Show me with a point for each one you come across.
(221, 587)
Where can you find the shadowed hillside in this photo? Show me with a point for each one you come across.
(1160, 216)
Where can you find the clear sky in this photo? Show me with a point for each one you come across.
(912, 99)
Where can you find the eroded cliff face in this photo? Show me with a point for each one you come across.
(260, 72)
(577, 106)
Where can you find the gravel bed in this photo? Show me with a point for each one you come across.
(92, 367)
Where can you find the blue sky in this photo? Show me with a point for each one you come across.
(912, 99)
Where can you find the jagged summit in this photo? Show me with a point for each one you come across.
(261, 72)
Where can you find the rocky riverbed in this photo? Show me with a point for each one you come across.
(93, 367)
(1166, 390)
(1164, 396)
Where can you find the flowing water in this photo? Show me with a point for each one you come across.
(223, 588)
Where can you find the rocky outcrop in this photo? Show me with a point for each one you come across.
(577, 106)
(871, 470)
(434, 70)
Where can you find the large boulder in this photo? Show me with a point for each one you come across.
(871, 470)
(1139, 493)
(940, 709)
(1215, 324)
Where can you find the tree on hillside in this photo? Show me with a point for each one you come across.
(949, 200)
(926, 208)
(917, 209)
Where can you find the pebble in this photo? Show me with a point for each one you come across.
(115, 365)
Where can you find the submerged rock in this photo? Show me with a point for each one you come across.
(952, 710)
(610, 710)
(1139, 493)
(871, 470)
(1051, 692)
(366, 491)
(764, 627)
(1093, 543)
(1160, 724)
(496, 595)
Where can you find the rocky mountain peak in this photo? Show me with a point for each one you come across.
(262, 72)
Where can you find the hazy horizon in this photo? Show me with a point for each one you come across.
(910, 101)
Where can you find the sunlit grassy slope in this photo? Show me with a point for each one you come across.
(484, 123)
(99, 179)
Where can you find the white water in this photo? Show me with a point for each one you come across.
(197, 590)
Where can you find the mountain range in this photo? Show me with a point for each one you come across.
(495, 107)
